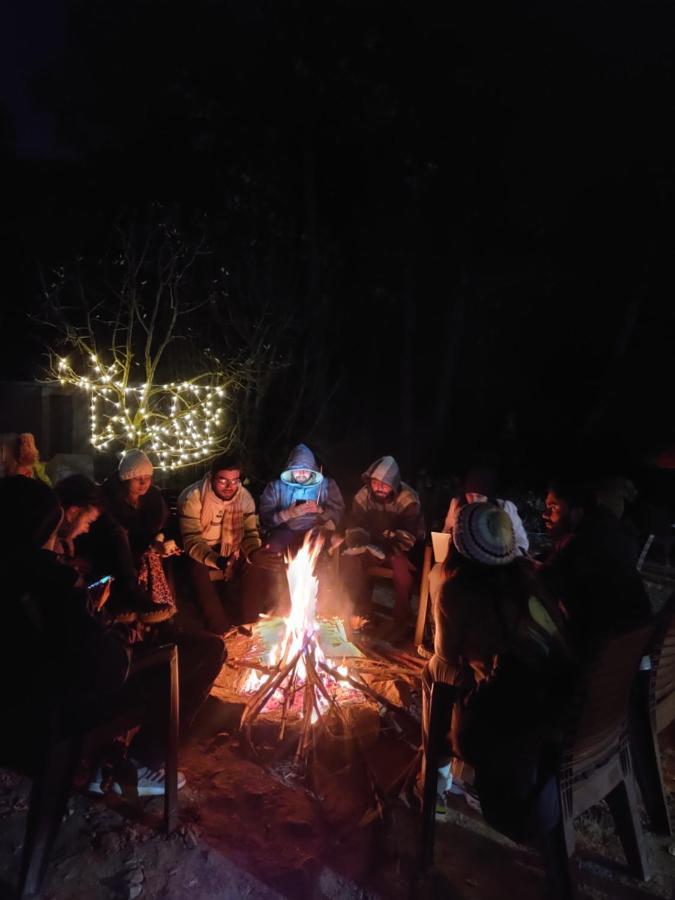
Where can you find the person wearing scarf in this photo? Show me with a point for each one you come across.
(219, 529)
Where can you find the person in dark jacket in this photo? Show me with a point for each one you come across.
(384, 525)
(300, 500)
(60, 661)
(82, 501)
(127, 542)
(591, 569)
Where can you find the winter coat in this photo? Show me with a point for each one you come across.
(399, 515)
(501, 634)
(122, 534)
(592, 571)
(204, 543)
(283, 493)
(58, 652)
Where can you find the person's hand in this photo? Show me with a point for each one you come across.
(170, 548)
(263, 556)
(336, 541)
(135, 632)
(355, 551)
(356, 537)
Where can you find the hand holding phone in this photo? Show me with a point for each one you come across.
(100, 591)
(100, 582)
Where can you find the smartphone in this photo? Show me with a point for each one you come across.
(300, 502)
(100, 582)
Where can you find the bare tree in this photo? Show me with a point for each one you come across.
(132, 329)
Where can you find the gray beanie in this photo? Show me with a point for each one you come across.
(484, 533)
(134, 464)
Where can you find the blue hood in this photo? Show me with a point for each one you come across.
(301, 457)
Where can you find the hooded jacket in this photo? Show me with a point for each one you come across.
(283, 493)
(400, 515)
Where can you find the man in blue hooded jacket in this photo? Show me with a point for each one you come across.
(301, 499)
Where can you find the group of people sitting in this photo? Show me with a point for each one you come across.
(236, 556)
(87, 592)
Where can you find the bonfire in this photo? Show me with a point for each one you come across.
(303, 667)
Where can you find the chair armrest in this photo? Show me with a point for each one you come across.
(155, 656)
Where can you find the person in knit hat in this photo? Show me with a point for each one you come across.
(126, 541)
(500, 640)
(384, 525)
(220, 536)
(301, 499)
(479, 485)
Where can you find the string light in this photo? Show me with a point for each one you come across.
(180, 422)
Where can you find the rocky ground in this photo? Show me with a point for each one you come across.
(252, 829)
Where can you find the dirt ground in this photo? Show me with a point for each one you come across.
(256, 828)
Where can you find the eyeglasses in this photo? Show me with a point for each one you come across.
(227, 481)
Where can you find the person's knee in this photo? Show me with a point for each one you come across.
(218, 649)
(212, 652)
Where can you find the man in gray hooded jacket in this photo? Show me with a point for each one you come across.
(385, 524)
(301, 499)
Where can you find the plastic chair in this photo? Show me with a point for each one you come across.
(596, 761)
(653, 710)
(53, 781)
(423, 607)
(595, 764)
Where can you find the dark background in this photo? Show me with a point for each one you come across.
(468, 208)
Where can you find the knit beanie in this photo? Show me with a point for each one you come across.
(484, 533)
(134, 464)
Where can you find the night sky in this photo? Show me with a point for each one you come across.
(468, 210)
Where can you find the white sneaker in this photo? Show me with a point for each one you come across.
(150, 782)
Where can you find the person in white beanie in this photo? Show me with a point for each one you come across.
(126, 542)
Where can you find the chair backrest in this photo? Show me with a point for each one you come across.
(598, 725)
(662, 686)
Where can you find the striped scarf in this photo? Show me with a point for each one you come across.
(232, 527)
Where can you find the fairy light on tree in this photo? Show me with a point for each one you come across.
(128, 324)
(181, 423)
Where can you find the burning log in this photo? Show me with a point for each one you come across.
(302, 667)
